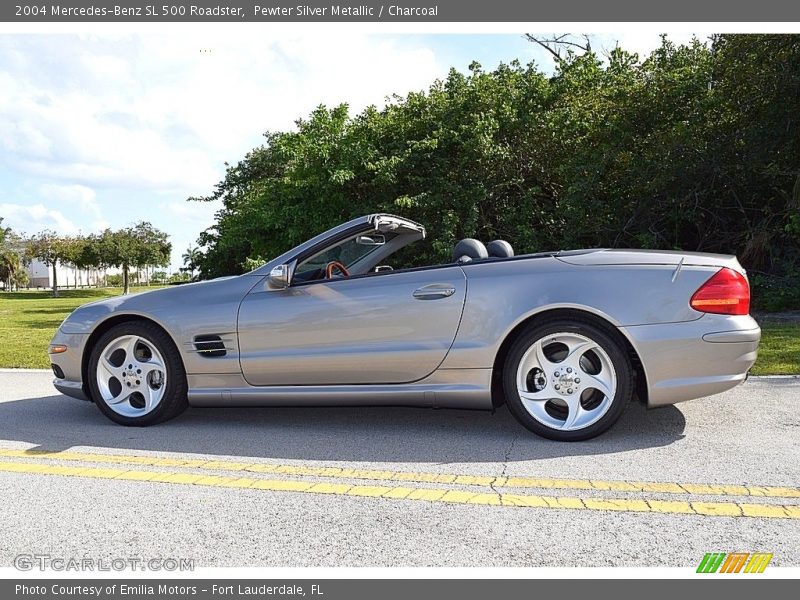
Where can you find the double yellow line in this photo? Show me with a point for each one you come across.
(388, 488)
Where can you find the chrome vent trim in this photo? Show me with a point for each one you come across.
(211, 345)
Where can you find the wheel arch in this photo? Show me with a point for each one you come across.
(641, 388)
(102, 328)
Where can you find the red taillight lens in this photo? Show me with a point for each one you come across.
(726, 293)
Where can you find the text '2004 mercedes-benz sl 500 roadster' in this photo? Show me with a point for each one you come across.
(565, 339)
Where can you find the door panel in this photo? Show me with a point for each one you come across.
(386, 328)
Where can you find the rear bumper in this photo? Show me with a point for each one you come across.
(697, 358)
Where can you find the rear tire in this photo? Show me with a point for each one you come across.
(136, 376)
(567, 379)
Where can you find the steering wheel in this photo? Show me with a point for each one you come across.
(335, 264)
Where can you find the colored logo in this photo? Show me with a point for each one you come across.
(737, 562)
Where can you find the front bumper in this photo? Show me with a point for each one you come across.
(697, 358)
(71, 388)
(69, 362)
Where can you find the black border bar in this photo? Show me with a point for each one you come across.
(389, 589)
(530, 11)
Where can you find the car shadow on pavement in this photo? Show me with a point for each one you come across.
(370, 435)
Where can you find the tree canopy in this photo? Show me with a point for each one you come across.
(694, 147)
(137, 246)
(140, 245)
(52, 249)
(12, 259)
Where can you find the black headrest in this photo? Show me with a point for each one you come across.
(500, 249)
(469, 249)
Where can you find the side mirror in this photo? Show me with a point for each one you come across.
(371, 240)
(281, 276)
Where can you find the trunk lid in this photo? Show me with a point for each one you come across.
(613, 257)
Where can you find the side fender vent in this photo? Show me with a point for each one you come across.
(211, 346)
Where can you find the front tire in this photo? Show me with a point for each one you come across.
(136, 376)
(567, 380)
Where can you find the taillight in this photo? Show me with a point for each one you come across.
(726, 293)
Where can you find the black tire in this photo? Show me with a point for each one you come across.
(174, 401)
(607, 340)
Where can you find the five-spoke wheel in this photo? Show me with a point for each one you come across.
(131, 375)
(567, 380)
(137, 375)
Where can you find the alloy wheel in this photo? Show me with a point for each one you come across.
(566, 381)
(131, 376)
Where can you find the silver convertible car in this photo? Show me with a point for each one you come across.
(565, 339)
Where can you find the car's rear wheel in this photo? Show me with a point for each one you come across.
(567, 380)
(136, 375)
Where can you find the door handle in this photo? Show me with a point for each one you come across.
(434, 291)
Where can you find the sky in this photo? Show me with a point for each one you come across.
(103, 131)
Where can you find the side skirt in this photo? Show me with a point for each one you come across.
(445, 388)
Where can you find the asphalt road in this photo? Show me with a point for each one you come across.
(410, 487)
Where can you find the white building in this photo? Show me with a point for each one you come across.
(41, 275)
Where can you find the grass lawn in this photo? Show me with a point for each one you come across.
(779, 351)
(29, 319)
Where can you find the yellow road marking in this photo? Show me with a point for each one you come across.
(406, 476)
(329, 488)
(725, 509)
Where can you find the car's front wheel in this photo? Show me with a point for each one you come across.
(136, 376)
(567, 380)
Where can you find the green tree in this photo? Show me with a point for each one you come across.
(178, 277)
(153, 245)
(692, 147)
(132, 247)
(12, 259)
(191, 258)
(52, 250)
(12, 269)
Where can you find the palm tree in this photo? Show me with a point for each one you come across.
(191, 258)
(12, 267)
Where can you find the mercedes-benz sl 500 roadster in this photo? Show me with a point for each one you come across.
(565, 339)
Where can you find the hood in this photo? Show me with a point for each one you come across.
(150, 303)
